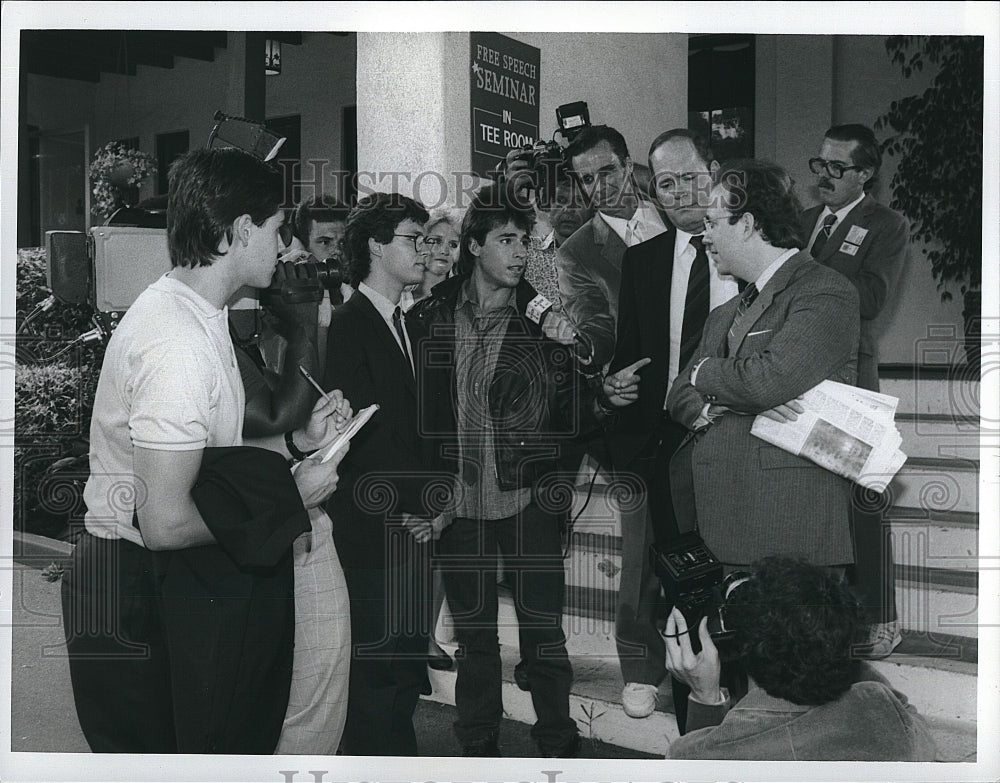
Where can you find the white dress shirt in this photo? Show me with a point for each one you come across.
(386, 309)
(645, 224)
(840, 214)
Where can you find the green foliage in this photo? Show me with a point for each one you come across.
(939, 143)
(49, 331)
(50, 401)
(52, 408)
(53, 400)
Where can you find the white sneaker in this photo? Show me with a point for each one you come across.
(639, 699)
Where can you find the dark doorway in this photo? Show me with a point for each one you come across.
(169, 147)
(722, 88)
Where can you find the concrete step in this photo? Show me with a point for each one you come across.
(928, 390)
(936, 485)
(939, 436)
(938, 542)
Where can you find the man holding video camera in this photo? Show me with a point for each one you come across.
(794, 628)
(168, 649)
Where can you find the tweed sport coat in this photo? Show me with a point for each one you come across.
(872, 262)
(753, 499)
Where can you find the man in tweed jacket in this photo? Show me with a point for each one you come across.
(796, 324)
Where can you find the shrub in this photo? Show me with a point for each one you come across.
(52, 400)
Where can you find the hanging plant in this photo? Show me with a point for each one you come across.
(116, 173)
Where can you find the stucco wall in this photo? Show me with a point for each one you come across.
(414, 92)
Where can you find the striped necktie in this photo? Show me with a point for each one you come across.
(824, 234)
(696, 303)
(746, 299)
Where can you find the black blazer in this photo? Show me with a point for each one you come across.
(643, 330)
(388, 467)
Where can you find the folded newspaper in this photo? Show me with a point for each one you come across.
(847, 430)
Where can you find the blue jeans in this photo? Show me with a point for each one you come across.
(531, 547)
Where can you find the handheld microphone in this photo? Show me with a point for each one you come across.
(536, 310)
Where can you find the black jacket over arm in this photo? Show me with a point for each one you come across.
(228, 609)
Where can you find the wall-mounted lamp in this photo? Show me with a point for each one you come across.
(272, 57)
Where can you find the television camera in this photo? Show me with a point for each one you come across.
(531, 168)
(692, 580)
(109, 266)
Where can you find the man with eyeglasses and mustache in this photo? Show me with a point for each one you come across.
(866, 242)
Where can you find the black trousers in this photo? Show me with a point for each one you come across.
(118, 660)
(640, 604)
(390, 626)
(531, 547)
(872, 578)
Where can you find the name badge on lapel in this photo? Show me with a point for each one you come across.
(847, 247)
(856, 236)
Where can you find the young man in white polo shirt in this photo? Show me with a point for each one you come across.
(170, 388)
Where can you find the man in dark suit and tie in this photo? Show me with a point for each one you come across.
(380, 524)
(668, 286)
(796, 324)
(866, 242)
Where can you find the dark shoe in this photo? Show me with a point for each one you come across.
(440, 661)
(568, 751)
(484, 749)
(521, 676)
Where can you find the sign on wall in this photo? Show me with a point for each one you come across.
(503, 98)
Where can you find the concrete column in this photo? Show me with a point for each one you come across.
(413, 115)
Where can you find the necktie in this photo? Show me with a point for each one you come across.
(696, 303)
(824, 234)
(397, 324)
(633, 232)
(746, 299)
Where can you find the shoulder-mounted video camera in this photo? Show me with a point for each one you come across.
(302, 281)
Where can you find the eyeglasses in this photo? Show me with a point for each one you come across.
(833, 168)
(712, 223)
(432, 242)
(418, 240)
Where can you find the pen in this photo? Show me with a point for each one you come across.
(316, 386)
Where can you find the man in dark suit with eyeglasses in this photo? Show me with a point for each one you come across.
(866, 242)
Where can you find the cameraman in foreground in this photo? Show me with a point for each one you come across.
(795, 626)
